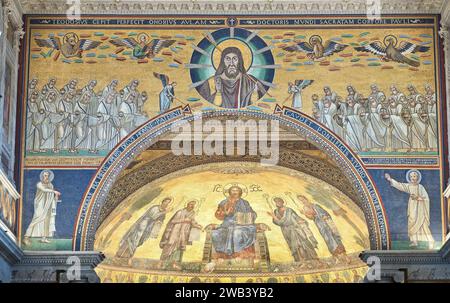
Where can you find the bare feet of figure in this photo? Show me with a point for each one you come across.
(26, 241)
(209, 267)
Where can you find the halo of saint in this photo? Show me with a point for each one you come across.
(226, 189)
(247, 54)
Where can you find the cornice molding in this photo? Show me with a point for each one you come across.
(55, 266)
(59, 258)
(413, 265)
(402, 258)
(445, 250)
(237, 7)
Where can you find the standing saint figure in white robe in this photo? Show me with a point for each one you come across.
(395, 93)
(295, 89)
(108, 123)
(425, 130)
(327, 111)
(166, 97)
(418, 208)
(64, 127)
(127, 116)
(110, 89)
(393, 130)
(359, 132)
(35, 117)
(393, 106)
(32, 87)
(43, 222)
(48, 106)
(430, 98)
(376, 93)
(296, 92)
(80, 122)
(131, 88)
(329, 94)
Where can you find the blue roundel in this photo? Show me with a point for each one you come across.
(259, 59)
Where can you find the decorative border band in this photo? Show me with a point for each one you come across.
(148, 133)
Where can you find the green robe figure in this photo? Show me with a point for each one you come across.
(296, 232)
(146, 227)
(177, 236)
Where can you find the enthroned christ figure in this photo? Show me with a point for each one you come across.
(231, 86)
(236, 236)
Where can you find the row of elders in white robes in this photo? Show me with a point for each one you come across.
(75, 118)
(394, 122)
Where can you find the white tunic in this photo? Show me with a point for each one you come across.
(418, 211)
(43, 222)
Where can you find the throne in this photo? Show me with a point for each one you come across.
(260, 263)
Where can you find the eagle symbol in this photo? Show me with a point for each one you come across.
(315, 49)
(71, 45)
(142, 48)
(390, 52)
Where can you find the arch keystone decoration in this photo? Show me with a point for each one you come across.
(147, 134)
